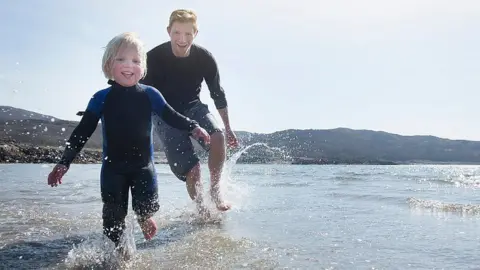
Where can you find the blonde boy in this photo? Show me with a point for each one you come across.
(126, 109)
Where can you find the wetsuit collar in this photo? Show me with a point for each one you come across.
(117, 85)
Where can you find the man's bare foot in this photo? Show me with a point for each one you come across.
(219, 202)
(203, 211)
(223, 206)
(149, 228)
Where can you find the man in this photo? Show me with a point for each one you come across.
(177, 69)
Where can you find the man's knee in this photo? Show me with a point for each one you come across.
(217, 140)
(184, 166)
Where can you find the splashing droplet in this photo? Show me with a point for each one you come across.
(63, 129)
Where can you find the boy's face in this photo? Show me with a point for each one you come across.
(181, 37)
(126, 68)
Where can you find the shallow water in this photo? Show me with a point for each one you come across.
(284, 216)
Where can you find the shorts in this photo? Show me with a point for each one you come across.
(178, 144)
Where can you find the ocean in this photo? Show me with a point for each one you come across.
(284, 217)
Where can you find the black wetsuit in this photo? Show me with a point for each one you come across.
(126, 114)
(179, 79)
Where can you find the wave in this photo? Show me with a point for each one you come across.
(438, 206)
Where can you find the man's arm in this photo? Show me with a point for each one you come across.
(217, 93)
(212, 78)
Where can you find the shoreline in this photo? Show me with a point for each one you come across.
(12, 152)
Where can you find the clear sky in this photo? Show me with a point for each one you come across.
(410, 67)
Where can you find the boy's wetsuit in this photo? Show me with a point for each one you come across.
(126, 114)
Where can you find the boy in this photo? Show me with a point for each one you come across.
(126, 109)
(178, 68)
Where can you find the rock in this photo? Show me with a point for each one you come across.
(12, 152)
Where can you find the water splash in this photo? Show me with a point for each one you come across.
(98, 252)
(234, 191)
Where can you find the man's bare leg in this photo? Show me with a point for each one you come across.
(216, 159)
(195, 188)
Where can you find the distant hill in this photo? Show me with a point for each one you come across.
(341, 145)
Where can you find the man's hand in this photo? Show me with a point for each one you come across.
(55, 177)
(231, 138)
(200, 133)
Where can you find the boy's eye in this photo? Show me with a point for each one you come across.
(119, 59)
(136, 61)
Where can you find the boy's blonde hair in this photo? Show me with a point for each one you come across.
(184, 16)
(127, 39)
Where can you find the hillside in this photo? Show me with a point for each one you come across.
(339, 145)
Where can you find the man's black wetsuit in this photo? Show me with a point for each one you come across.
(179, 79)
(126, 114)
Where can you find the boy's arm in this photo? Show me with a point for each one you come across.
(84, 130)
(168, 114)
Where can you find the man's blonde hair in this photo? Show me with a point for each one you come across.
(184, 16)
(127, 39)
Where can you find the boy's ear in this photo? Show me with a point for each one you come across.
(168, 30)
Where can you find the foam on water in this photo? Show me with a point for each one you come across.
(439, 206)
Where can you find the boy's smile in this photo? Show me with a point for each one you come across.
(127, 69)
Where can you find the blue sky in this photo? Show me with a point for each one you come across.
(409, 67)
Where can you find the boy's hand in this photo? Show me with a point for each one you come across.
(200, 133)
(55, 177)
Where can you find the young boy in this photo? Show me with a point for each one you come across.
(126, 109)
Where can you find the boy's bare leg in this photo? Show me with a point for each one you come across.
(216, 159)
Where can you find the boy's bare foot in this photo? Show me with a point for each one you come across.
(149, 228)
(123, 253)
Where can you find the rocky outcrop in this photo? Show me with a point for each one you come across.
(13, 152)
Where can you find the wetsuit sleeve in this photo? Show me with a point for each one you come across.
(212, 78)
(167, 113)
(84, 130)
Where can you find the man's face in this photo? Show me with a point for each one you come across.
(182, 35)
